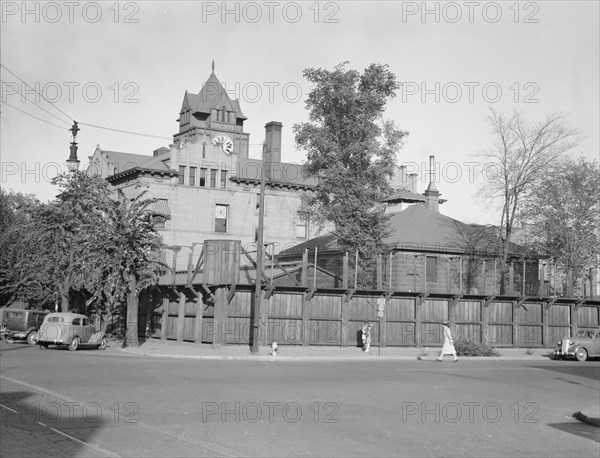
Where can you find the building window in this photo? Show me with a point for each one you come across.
(301, 225)
(223, 179)
(159, 222)
(202, 179)
(192, 176)
(213, 178)
(431, 269)
(223, 114)
(221, 218)
(204, 150)
(182, 174)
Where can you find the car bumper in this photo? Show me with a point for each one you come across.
(51, 341)
(15, 335)
(560, 353)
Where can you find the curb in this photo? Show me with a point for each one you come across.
(372, 357)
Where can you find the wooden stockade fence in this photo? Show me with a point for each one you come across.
(326, 318)
(208, 304)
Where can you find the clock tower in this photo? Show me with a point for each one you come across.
(213, 117)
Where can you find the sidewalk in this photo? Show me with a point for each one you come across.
(171, 349)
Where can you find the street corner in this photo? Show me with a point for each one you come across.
(590, 416)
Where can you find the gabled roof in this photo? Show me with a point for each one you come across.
(212, 95)
(125, 161)
(129, 161)
(157, 162)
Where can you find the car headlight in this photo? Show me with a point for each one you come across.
(571, 342)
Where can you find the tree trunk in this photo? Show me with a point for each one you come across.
(570, 283)
(131, 336)
(64, 289)
(64, 303)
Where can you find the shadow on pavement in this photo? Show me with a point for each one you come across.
(586, 369)
(14, 346)
(31, 425)
(578, 429)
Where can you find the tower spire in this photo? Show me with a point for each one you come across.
(213, 66)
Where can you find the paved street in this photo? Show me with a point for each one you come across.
(94, 403)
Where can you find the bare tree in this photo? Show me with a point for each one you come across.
(516, 162)
(565, 212)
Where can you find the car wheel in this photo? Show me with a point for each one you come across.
(32, 338)
(103, 344)
(74, 345)
(43, 346)
(581, 354)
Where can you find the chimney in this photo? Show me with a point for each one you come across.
(161, 150)
(272, 153)
(432, 195)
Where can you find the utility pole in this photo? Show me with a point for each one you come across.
(259, 257)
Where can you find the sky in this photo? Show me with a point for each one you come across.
(126, 66)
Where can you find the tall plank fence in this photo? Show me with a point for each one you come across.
(292, 316)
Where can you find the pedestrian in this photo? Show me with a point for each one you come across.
(366, 335)
(448, 346)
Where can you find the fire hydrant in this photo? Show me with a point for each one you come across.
(274, 349)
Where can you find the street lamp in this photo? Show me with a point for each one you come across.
(73, 162)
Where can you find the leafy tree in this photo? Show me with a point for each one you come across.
(517, 161)
(564, 210)
(15, 215)
(129, 249)
(351, 149)
(90, 242)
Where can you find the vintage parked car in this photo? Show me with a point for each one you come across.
(586, 344)
(21, 324)
(70, 329)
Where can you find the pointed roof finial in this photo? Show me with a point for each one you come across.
(213, 66)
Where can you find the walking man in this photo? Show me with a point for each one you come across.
(448, 346)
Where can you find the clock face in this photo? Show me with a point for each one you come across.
(225, 143)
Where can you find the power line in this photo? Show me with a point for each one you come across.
(124, 131)
(33, 116)
(40, 107)
(12, 73)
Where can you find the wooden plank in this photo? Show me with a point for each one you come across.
(419, 306)
(545, 329)
(220, 316)
(379, 272)
(345, 271)
(199, 313)
(344, 322)
(306, 306)
(515, 337)
(165, 316)
(181, 316)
